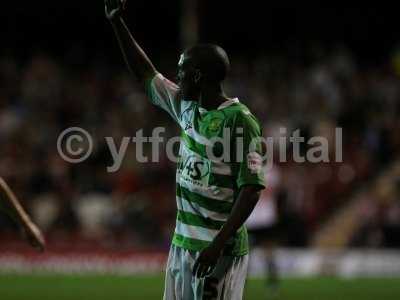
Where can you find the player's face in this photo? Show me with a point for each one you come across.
(188, 75)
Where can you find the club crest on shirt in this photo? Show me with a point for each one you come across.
(215, 124)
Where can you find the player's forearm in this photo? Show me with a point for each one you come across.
(244, 205)
(134, 56)
(10, 205)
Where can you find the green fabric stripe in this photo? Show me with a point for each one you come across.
(193, 145)
(224, 181)
(189, 243)
(238, 249)
(196, 220)
(219, 206)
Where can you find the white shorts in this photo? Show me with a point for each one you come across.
(226, 282)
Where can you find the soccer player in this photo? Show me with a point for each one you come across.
(11, 206)
(209, 253)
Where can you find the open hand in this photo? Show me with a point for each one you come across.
(207, 260)
(34, 236)
(113, 8)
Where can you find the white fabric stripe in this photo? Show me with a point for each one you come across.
(195, 232)
(166, 95)
(194, 208)
(228, 103)
(212, 192)
(217, 167)
(221, 168)
(198, 137)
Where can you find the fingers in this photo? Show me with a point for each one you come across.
(123, 4)
(112, 8)
(109, 4)
(113, 5)
(195, 267)
(40, 243)
(209, 271)
(35, 237)
(198, 268)
(201, 269)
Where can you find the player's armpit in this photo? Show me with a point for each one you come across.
(165, 94)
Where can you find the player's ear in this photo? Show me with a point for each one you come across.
(197, 76)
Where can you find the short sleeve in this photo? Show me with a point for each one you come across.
(164, 93)
(250, 163)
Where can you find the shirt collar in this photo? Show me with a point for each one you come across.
(222, 106)
(228, 103)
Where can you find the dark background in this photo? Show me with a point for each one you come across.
(245, 28)
(309, 66)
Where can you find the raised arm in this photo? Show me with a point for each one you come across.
(10, 204)
(136, 59)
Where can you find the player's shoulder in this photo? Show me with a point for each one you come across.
(237, 109)
(242, 114)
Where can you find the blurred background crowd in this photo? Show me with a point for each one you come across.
(83, 204)
(313, 67)
(329, 70)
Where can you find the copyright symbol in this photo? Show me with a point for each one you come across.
(74, 145)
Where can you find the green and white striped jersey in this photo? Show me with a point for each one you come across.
(210, 174)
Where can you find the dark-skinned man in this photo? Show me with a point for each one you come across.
(217, 184)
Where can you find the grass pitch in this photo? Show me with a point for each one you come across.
(107, 287)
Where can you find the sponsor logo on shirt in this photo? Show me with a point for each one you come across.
(194, 170)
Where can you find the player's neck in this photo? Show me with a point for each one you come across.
(211, 97)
